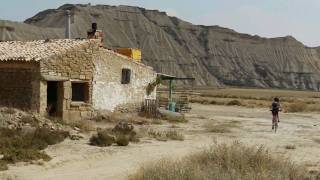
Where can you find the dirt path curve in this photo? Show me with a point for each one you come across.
(76, 160)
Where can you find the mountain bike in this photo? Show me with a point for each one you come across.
(275, 121)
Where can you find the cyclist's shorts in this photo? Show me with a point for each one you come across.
(275, 113)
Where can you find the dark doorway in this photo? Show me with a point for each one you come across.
(53, 98)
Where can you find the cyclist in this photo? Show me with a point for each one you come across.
(275, 108)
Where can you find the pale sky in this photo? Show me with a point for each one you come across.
(267, 18)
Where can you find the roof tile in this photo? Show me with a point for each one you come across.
(37, 50)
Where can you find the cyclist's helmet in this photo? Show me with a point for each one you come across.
(276, 99)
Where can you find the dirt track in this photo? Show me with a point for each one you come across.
(76, 160)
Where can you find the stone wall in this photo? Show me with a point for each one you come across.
(108, 92)
(74, 66)
(19, 85)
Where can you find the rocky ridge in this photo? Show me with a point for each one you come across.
(215, 56)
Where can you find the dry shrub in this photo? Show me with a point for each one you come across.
(9, 110)
(29, 119)
(139, 119)
(173, 126)
(317, 140)
(217, 128)
(290, 147)
(221, 128)
(174, 135)
(109, 117)
(122, 140)
(297, 107)
(83, 125)
(224, 162)
(234, 103)
(19, 146)
(314, 108)
(102, 139)
(156, 121)
(166, 135)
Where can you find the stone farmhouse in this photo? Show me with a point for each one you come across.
(70, 78)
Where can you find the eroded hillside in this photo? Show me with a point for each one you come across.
(215, 56)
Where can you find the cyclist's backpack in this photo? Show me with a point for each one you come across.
(275, 106)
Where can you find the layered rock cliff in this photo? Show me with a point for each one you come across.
(215, 56)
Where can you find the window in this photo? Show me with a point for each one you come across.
(126, 76)
(80, 91)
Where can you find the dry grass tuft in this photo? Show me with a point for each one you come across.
(122, 140)
(26, 146)
(220, 128)
(174, 126)
(224, 162)
(166, 135)
(156, 121)
(317, 140)
(213, 127)
(9, 111)
(102, 139)
(297, 107)
(30, 120)
(234, 103)
(83, 125)
(290, 147)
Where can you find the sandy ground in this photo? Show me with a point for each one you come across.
(76, 160)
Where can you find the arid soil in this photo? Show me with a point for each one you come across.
(76, 160)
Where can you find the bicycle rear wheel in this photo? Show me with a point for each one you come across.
(276, 127)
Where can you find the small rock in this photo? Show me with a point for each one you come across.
(76, 128)
(76, 137)
(123, 127)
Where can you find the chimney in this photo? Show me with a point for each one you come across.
(68, 24)
(94, 33)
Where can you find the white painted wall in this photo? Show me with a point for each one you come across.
(108, 92)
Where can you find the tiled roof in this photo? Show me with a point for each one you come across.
(37, 50)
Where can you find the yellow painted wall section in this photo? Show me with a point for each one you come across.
(135, 54)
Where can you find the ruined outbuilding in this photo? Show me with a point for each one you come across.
(70, 78)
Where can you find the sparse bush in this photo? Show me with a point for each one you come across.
(43, 137)
(234, 103)
(102, 139)
(17, 146)
(297, 107)
(290, 147)
(166, 135)
(122, 140)
(224, 127)
(174, 135)
(24, 155)
(156, 121)
(83, 125)
(217, 128)
(9, 111)
(213, 102)
(157, 135)
(29, 119)
(3, 165)
(317, 140)
(174, 126)
(224, 162)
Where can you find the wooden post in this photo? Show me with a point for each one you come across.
(170, 90)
